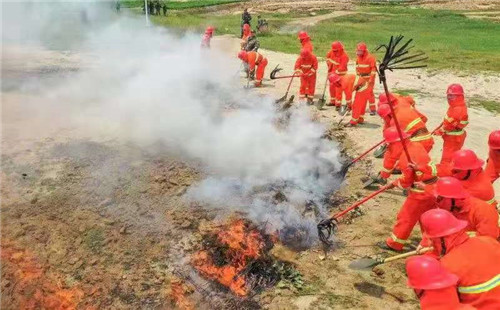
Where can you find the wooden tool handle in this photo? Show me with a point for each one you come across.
(407, 254)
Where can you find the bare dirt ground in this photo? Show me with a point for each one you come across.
(91, 223)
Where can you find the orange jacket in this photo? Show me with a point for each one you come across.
(478, 185)
(409, 119)
(347, 84)
(442, 299)
(366, 66)
(254, 59)
(492, 169)
(456, 118)
(307, 45)
(306, 66)
(337, 62)
(409, 100)
(475, 262)
(205, 40)
(482, 217)
(427, 171)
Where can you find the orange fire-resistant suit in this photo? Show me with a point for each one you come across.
(413, 122)
(418, 200)
(256, 59)
(366, 67)
(346, 88)
(246, 34)
(478, 184)
(453, 132)
(492, 169)
(442, 299)
(362, 88)
(481, 216)
(337, 63)
(475, 262)
(307, 67)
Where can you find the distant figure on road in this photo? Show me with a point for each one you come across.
(158, 8)
(245, 19)
(118, 5)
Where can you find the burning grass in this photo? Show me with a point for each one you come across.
(236, 256)
(30, 286)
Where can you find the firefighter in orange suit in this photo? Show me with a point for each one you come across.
(467, 167)
(493, 165)
(454, 123)
(254, 60)
(306, 66)
(482, 218)
(305, 41)
(205, 41)
(411, 120)
(342, 84)
(336, 61)
(366, 67)
(435, 287)
(474, 260)
(420, 198)
(247, 32)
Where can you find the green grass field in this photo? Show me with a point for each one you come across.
(451, 40)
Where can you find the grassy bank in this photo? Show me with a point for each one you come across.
(451, 40)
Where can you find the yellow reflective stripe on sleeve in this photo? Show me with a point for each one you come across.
(313, 70)
(480, 288)
(416, 190)
(421, 138)
(341, 72)
(412, 124)
(332, 61)
(464, 122)
(362, 66)
(396, 239)
(374, 73)
(298, 70)
(365, 87)
(471, 233)
(348, 101)
(454, 133)
(306, 66)
(449, 119)
(434, 169)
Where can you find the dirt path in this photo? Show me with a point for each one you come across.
(379, 214)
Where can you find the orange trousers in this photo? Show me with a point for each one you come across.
(409, 214)
(261, 67)
(371, 98)
(451, 144)
(359, 106)
(307, 86)
(334, 91)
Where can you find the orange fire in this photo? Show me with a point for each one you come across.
(243, 245)
(33, 288)
(178, 294)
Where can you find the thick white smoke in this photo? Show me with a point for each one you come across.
(150, 86)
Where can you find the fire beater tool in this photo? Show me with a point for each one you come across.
(321, 102)
(367, 263)
(328, 226)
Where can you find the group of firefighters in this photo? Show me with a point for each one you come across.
(453, 200)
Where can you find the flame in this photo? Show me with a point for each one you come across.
(243, 245)
(177, 293)
(33, 287)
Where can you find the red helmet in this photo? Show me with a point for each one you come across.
(391, 135)
(440, 223)
(209, 30)
(333, 78)
(382, 99)
(337, 46)
(494, 140)
(455, 89)
(303, 35)
(243, 55)
(361, 48)
(305, 53)
(450, 187)
(383, 110)
(246, 27)
(426, 273)
(466, 160)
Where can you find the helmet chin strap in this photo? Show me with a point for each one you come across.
(443, 247)
(454, 207)
(467, 176)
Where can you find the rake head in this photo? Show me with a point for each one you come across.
(326, 228)
(397, 56)
(274, 72)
